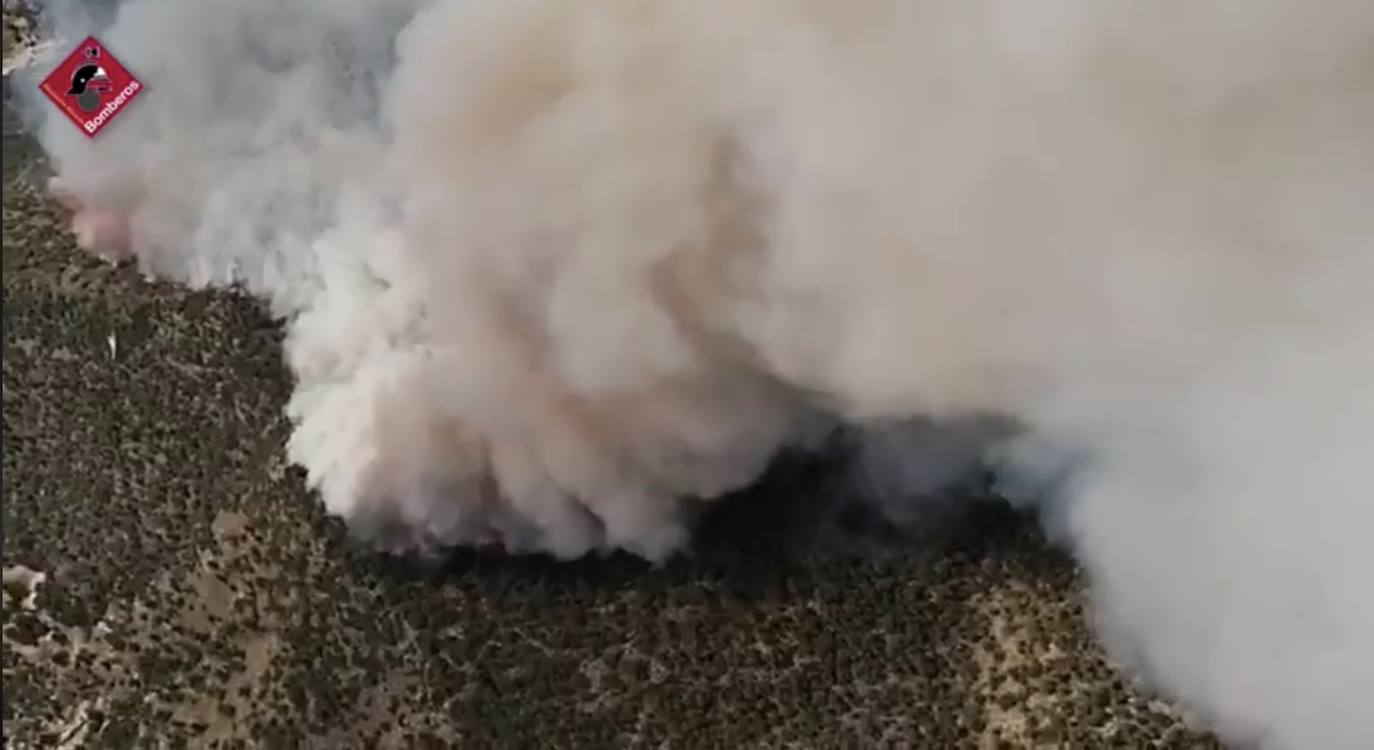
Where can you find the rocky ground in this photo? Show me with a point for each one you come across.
(19, 32)
(168, 581)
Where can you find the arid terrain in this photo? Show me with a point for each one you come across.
(169, 582)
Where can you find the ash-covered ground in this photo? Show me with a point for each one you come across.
(167, 581)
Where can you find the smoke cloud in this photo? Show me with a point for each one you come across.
(556, 270)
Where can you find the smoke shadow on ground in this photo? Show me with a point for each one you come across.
(801, 517)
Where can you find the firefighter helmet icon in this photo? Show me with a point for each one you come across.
(89, 81)
(90, 86)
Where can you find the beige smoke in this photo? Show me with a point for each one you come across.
(582, 262)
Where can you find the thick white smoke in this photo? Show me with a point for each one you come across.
(553, 266)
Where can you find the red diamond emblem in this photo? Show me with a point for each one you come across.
(91, 87)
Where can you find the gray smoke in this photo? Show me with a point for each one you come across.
(267, 109)
(604, 255)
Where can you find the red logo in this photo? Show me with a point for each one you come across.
(91, 87)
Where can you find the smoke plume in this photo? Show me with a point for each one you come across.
(553, 268)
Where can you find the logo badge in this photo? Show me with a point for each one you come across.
(91, 87)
